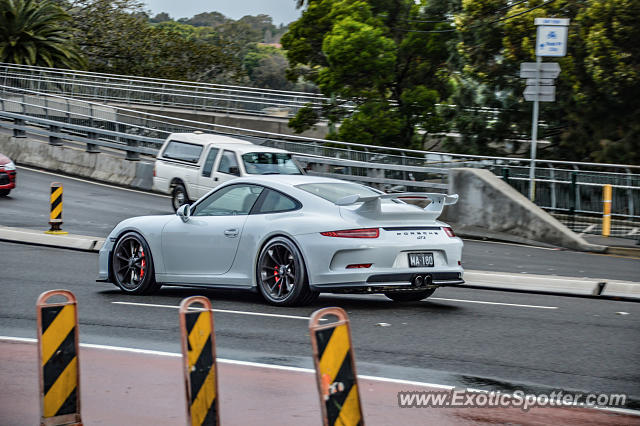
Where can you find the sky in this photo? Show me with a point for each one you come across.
(282, 11)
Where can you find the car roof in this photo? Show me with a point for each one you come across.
(222, 141)
(284, 182)
(202, 138)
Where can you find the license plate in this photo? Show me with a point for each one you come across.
(420, 260)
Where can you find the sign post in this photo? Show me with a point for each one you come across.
(551, 41)
(534, 133)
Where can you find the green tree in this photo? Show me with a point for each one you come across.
(206, 19)
(379, 56)
(118, 39)
(36, 33)
(161, 17)
(597, 109)
(266, 66)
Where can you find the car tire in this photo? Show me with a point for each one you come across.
(281, 274)
(4, 192)
(132, 265)
(179, 196)
(409, 296)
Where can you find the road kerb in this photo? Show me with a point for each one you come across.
(69, 241)
(553, 284)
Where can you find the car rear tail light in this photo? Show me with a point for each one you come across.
(449, 231)
(354, 233)
(359, 265)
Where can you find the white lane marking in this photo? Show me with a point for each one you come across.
(493, 303)
(92, 182)
(511, 244)
(216, 310)
(296, 369)
(233, 362)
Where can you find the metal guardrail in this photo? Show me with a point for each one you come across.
(132, 90)
(98, 125)
(570, 187)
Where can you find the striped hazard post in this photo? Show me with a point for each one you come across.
(199, 357)
(606, 210)
(335, 369)
(55, 216)
(58, 359)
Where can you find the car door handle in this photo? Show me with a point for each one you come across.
(231, 233)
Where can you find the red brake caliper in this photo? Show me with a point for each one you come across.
(144, 263)
(277, 277)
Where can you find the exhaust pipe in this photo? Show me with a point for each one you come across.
(418, 281)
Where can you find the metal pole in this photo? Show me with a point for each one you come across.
(552, 175)
(534, 134)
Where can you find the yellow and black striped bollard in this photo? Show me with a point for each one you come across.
(55, 216)
(199, 358)
(335, 369)
(59, 368)
(606, 210)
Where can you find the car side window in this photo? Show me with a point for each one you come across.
(229, 163)
(208, 163)
(229, 201)
(275, 202)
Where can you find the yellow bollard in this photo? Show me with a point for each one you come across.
(335, 369)
(55, 216)
(199, 358)
(606, 216)
(58, 355)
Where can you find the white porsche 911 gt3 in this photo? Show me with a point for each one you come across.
(290, 237)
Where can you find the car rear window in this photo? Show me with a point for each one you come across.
(182, 151)
(334, 191)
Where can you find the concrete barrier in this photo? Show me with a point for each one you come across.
(102, 167)
(272, 124)
(491, 207)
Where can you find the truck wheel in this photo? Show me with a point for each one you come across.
(179, 196)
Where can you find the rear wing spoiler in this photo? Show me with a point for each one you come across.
(372, 203)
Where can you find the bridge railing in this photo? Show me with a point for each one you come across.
(132, 90)
(562, 187)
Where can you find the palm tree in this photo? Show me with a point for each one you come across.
(35, 33)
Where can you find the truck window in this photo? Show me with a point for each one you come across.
(268, 163)
(228, 163)
(208, 163)
(182, 151)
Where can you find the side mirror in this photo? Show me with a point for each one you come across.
(234, 170)
(184, 212)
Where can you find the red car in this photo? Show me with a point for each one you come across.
(7, 175)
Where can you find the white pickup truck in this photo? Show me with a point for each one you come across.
(191, 164)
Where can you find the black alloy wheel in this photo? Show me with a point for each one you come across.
(281, 274)
(179, 196)
(132, 265)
